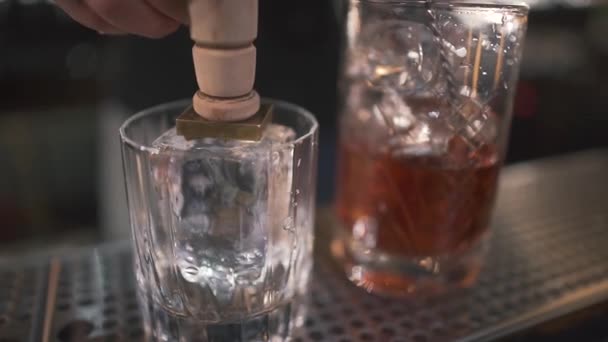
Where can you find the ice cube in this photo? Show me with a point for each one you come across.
(365, 232)
(278, 134)
(225, 200)
(413, 124)
(396, 54)
(394, 111)
(426, 138)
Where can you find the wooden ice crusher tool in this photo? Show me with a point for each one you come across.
(226, 105)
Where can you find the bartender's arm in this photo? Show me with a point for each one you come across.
(148, 18)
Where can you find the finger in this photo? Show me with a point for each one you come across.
(80, 12)
(174, 9)
(134, 16)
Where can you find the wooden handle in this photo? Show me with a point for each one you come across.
(224, 58)
(224, 73)
(228, 109)
(223, 23)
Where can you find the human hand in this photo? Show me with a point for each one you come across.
(148, 18)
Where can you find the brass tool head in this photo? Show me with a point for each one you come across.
(191, 126)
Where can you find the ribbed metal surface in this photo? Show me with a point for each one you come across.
(548, 257)
(96, 298)
(21, 301)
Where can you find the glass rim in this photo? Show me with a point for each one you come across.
(125, 139)
(515, 6)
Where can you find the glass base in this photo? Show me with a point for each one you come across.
(399, 276)
(275, 325)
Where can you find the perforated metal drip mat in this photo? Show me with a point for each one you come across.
(21, 294)
(549, 257)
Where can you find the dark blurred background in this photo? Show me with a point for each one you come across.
(64, 91)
